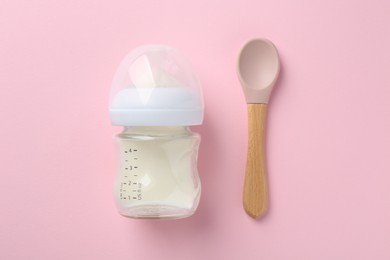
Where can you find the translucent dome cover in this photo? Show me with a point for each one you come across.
(155, 85)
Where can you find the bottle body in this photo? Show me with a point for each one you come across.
(157, 175)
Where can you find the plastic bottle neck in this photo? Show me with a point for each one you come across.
(157, 130)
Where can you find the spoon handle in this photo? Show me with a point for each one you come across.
(255, 198)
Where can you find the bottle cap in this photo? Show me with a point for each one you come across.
(155, 85)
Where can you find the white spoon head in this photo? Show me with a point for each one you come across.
(258, 68)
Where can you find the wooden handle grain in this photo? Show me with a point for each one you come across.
(255, 198)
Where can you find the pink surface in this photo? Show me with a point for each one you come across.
(328, 130)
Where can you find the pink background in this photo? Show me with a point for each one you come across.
(328, 130)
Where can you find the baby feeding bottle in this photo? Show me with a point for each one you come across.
(156, 96)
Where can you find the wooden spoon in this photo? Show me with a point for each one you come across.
(257, 68)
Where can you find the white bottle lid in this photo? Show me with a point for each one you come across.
(155, 86)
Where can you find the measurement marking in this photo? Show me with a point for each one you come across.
(126, 168)
(135, 158)
(135, 150)
(136, 167)
(135, 175)
(126, 151)
(135, 198)
(126, 160)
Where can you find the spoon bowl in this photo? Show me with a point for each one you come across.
(258, 64)
(258, 68)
